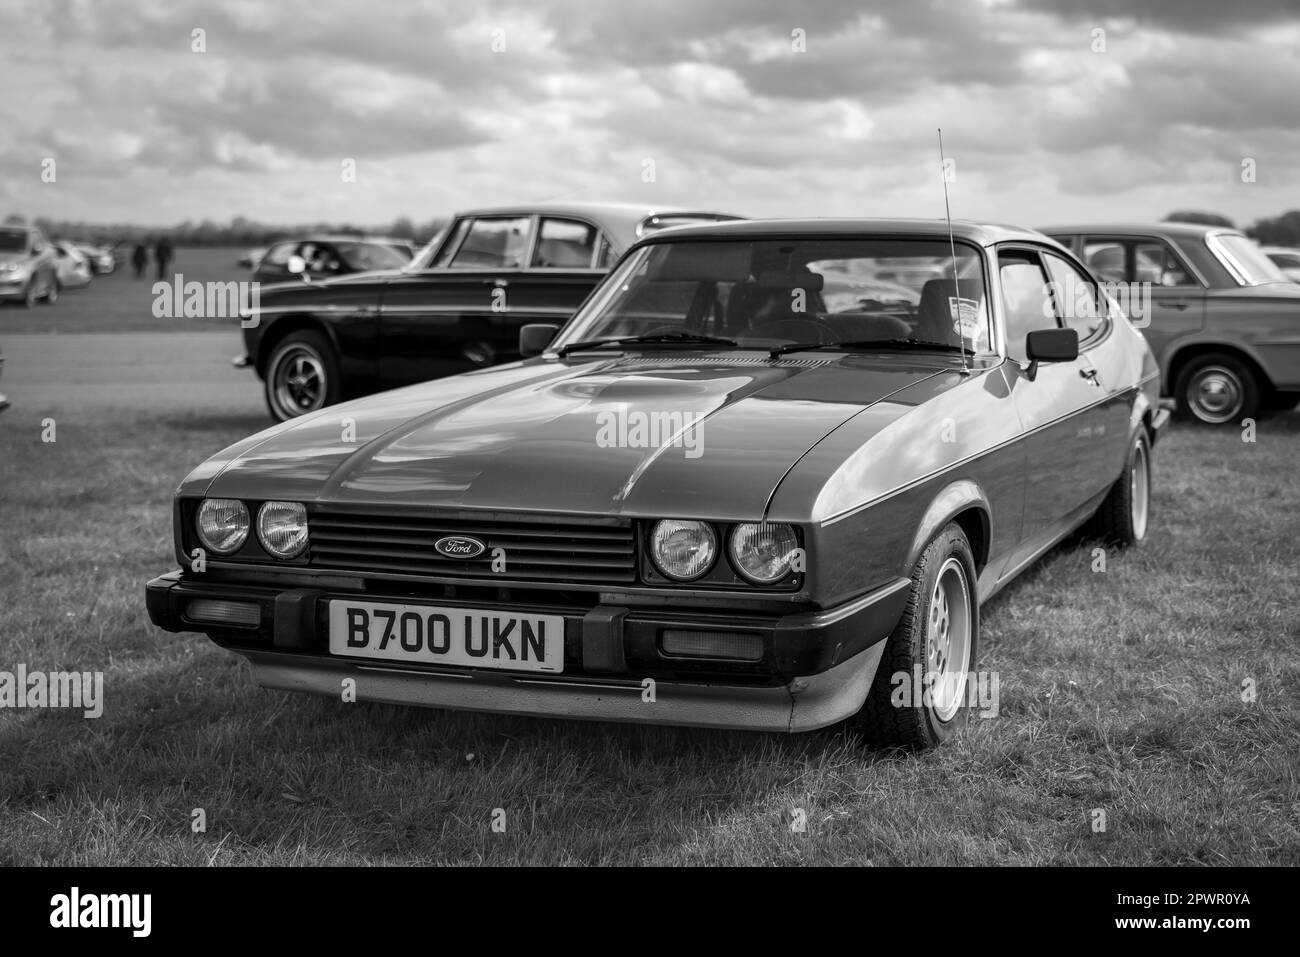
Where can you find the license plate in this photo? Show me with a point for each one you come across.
(434, 634)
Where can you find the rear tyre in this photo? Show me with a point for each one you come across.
(1125, 513)
(937, 638)
(1217, 389)
(302, 375)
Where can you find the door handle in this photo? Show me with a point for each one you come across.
(1175, 305)
(1091, 375)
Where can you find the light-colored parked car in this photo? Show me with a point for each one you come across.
(71, 265)
(1285, 259)
(27, 266)
(101, 258)
(1224, 323)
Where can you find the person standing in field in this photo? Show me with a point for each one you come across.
(139, 259)
(162, 254)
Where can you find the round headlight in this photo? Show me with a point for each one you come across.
(282, 528)
(222, 524)
(682, 550)
(763, 552)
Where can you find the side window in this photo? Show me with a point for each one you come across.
(1026, 297)
(1157, 264)
(278, 254)
(493, 244)
(1077, 304)
(565, 244)
(606, 257)
(1107, 259)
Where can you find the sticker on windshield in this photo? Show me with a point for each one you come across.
(966, 320)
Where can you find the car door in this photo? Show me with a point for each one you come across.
(1142, 269)
(1061, 407)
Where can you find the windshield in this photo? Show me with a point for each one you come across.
(1244, 259)
(13, 240)
(766, 293)
(367, 256)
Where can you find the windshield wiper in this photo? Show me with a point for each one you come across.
(865, 344)
(665, 337)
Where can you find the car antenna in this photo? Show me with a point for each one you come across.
(952, 248)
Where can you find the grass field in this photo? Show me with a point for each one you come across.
(1121, 692)
(118, 302)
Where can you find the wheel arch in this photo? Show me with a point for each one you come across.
(1184, 354)
(282, 328)
(965, 503)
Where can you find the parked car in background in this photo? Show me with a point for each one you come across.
(71, 265)
(324, 257)
(102, 259)
(404, 247)
(774, 509)
(28, 272)
(1286, 259)
(458, 306)
(1225, 322)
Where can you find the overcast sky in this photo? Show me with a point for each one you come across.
(756, 107)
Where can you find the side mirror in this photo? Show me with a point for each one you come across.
(1051, 345)
(298, 266)
(535, 337)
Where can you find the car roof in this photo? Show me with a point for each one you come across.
(619, 220)
(1194, 230)
(984, 234)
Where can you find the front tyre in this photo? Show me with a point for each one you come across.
(1123, 517)
(301, 375)
(936, 639)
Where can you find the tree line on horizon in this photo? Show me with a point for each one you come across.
(1281, 230)
(240, 231)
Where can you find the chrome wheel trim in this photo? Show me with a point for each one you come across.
(1216, 394)
(299, 381)
(1139, 484)
(948, 640)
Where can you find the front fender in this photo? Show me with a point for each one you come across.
(951, 501)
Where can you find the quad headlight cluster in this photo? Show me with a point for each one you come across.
(762, 553)
(223, 525)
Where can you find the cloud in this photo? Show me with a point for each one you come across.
(750, 105)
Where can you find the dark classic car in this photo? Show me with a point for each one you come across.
(1224, 323)
(324, 257)
(457, 306)
(713, 499)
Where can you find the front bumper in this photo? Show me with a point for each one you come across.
(817, 667)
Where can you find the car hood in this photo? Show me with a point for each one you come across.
(8, 257)
(664, 435)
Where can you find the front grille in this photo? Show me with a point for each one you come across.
(536, 548)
